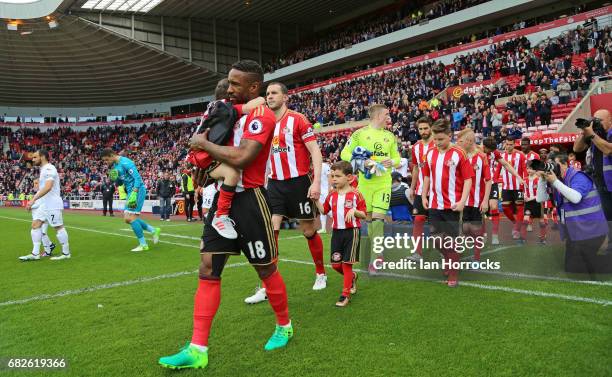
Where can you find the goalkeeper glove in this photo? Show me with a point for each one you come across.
(113, 174)
(131, 202)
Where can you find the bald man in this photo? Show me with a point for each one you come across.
(602, 161)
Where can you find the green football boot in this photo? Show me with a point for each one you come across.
(189, 357)
(280, 338)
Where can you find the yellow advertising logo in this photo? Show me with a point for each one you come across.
(457, 92)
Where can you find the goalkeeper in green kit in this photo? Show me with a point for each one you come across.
(376, 187)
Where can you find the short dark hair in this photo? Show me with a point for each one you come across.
(44, 152)
(282, 86)
(107, 152)
(221, 89)
(250, 66)
(526, 139)
(345, 167)
(490, 143)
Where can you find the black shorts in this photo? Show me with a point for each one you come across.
(494, 191)
(444, 221)
(513, 196)
(289, 198)
(418, 208)
(534, 208)
(251, 212)
(345, 245)
(472, 215)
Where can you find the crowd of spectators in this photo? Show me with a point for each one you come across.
(154, 148)
(357, 32)
(547, 78)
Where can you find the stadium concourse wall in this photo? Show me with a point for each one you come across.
(534, 34)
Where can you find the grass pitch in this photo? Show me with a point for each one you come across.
(110, 312)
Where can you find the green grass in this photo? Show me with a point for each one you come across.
(392, 327)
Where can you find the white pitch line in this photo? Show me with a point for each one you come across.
(496, 250)
(464, 283)
(108, 286)
(482, 286)
(198, 238)
(540, 277)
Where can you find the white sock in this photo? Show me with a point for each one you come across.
(287, 325)
(324, 222)
(62, 236)
(36, 237)
(45, 237)
(201, 348)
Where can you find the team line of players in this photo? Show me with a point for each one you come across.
(450, 180)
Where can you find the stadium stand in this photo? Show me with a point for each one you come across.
(365, 29)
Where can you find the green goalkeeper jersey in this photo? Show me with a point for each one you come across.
(383, 146)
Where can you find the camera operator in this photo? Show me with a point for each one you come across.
(583, 224)
(597, 136)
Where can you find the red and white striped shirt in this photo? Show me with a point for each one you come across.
(517, 160)
(447, 171)
(482, 175)
(531, 187)
(340, 204)
(532, 156)
(419, 152)
(493, 158)
(289, 156)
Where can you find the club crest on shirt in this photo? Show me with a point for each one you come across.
(348, 204)
(287, 130)
(450, 163)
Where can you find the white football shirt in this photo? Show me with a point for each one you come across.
(53, 199)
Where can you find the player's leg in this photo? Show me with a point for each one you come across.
(36, 235)
(380, 205)
(521, 227)
(365, 246)
(206, 303)
(350, 256)
(322, 217)
(450, 228)
(543, 223)
(420, 217)
(494, 212)
(46, 241)
(222, 222)
(130, 218)
(299, 206)
(142, 194)
(258, 245)
(56, 220)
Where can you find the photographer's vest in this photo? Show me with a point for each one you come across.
(585, 219)
(607, 167)
(189, 186)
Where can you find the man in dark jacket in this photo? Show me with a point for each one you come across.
(108, 190)
(166, 188)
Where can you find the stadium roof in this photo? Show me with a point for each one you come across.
(79, 64)
(297, 11)
(65, 60)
